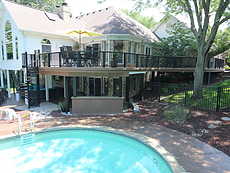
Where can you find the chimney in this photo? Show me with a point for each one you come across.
(63, 11)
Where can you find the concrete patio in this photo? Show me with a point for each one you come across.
(193, 155)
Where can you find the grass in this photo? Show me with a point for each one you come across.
(209, 100)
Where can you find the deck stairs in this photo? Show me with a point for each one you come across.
(30, 88)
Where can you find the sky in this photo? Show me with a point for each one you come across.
(86, 6)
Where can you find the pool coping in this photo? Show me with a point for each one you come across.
(176, 168)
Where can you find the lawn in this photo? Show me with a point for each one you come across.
(215, 97)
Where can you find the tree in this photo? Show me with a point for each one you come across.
(181, 42)
(221, 42)
(205, 16)
(148, 22)
(48, 5)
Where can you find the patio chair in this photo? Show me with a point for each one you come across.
(65, 57)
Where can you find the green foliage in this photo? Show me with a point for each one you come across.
(202, 25)
(227, 67)
(223, 84)
(25, 115)
(209, 99)
(47, 5)
(164, 89)
(118, 49)
(148, 22)
(176, 113)
(221, 43)
(180, 41)
(173, 87)
(62, 106)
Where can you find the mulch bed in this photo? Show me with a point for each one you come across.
(196, 125)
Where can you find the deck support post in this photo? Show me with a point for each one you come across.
(127, 88)
(141, 86)
(67, 98)
(75, 86)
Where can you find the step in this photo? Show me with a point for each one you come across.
(27, 139)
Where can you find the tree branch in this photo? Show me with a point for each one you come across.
(219, 12)
(192, 21)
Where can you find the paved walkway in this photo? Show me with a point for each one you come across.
(193, 155)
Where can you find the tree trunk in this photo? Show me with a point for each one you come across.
(199, 74)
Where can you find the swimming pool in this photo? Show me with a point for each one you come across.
(82, 151)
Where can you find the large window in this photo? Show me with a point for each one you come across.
(9, 44)
(2, 47)
(16, 45)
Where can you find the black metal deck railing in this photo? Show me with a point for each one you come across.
(105, 58)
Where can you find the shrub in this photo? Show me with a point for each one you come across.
(176, 113)
(164, 90)
(62, 106)
(173, 87)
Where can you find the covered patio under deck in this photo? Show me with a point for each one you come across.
(86, 102)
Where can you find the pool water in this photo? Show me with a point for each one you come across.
(80, 151)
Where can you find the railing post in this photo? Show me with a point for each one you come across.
(26, 59)
(59, 59)
(125, 59)
(147, 61)
(103, 59)
(48, 59)
(78, 59)
(137, 60)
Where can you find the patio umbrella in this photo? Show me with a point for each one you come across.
(79, 32)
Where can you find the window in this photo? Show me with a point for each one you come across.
(135, 51)
(9, 44)
(16, 45)
(2, 51)
(46, 46)
(130, 51)
(116, 86)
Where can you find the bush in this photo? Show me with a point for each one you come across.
(164, 90)
(176, 113)
(173, 87)
(62, 106)
(227, 67)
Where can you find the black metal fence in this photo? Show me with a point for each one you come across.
(214, 98)
(104, 59)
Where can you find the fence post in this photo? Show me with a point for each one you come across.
(219, 89)
(159, 92)
(185, 98)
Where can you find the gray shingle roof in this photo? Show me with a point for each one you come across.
(106, 21)
(113, 21)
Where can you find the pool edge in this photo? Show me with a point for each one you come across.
(176, 168)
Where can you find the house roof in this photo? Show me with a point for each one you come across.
(113, 21)
(106, 21)
(31, 19)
